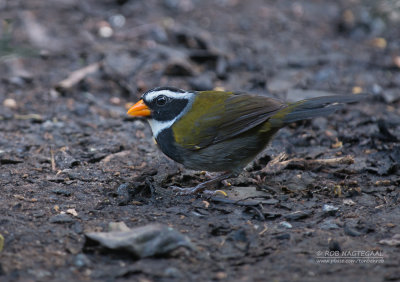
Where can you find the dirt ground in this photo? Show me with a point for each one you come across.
(72, 161)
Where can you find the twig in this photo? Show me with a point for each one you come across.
(53, 162)
(76, 76)
(279, 164)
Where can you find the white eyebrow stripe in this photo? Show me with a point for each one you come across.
(152, 95)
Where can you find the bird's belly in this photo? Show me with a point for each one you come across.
(229, 155)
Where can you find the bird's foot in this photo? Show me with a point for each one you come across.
(202, 187)
(197, 190)
(188, 191)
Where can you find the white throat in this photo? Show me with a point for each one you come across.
(158, 126)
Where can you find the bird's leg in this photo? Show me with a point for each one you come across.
(201, 188)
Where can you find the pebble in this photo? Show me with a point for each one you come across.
(138, 124)
(297, 215)
(10, 103)
(81, 260)
(348, 202)
(61, 191)
(284, 236)
(146, 241)
(329, 209)
(351, 231)
(172, 272)
(328, 225)
(285, 224)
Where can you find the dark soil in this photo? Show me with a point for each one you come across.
(72, 161)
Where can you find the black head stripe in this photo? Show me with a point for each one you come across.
(169, 111)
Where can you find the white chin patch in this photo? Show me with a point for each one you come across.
(158, 126)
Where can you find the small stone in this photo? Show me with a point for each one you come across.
(117, 226)
(147, 241)
(117, 20)
(72, 212)
(105, 30)
(81, 260)
(351, 231)
(138, 124)
(172, 272)
(348, 202)
(328, 225)
(61, 191)
(285, 224)
(64, 160)
(329, 209)
(220, 275)
(284, 236)
(10, 103)
(394, 241)
(297, 215)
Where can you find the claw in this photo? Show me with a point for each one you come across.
(220, 192)
(201, 188)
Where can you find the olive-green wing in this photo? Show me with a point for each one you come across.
(218, 116)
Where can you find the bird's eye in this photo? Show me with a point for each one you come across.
(161, 100)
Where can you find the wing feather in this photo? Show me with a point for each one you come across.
(222, 115)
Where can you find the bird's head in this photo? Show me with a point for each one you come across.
(162, 106)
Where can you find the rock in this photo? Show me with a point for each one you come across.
(152, 240)
(81, 260)
(284, 236)
(351, 231)
(123, 193)
(10, 103)
(394, 241)
(172, 272)
(61, 191)
(348, 202)
(117, 226)
(329, 209)
(285, 224)
(64, 160)
(328, 225)
(61, 218)
(297, 215)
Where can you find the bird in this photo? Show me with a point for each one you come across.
(222, 131)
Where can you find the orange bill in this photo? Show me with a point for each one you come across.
(139, 110)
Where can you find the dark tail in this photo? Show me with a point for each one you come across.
(314, 107)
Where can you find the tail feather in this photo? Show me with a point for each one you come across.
(314, 107)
